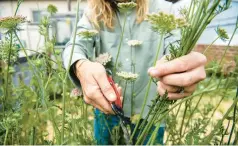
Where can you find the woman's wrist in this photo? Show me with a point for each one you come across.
(79, 65)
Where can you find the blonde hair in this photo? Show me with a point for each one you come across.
(101, 11)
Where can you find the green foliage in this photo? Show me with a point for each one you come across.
(52, 9)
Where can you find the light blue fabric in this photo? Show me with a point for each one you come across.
(103, 125)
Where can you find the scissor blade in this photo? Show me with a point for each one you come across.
(125, 132)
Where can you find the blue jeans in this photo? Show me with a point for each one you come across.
(103, 123)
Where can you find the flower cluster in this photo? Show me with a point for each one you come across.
(165, 23)
(124, 7)
(88, 33)
(222, 34)
(127, 76)
(134, 43)
(11, 23)
(76, 93)
(5, 49)
(183, 11)
(52, 9)
(104, 58)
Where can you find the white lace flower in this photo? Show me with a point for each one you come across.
(124, 7)
(127, 76)
(76, 93)
(88, 33)
(104, 58)
(133, 43)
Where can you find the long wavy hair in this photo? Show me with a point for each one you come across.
(102, 11)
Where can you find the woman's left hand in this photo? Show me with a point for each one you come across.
(180, 76)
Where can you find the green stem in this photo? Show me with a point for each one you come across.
(181, 127)
(120, 45)
(233, 34)
(211, 45)
(7, 78)
(33, 132)
(191, 115)
(67, 72)
(208, 138)
(234, 119)
(18, 5)
(148, 88)
(224, 133)
(154, 134)
(6, 135)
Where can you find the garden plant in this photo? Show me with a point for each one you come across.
(50, 110)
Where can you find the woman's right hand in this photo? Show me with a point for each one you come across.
(95, 86)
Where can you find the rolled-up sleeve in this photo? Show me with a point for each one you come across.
(83, 48)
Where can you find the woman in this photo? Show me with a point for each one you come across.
(102, 15)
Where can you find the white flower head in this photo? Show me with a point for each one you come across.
(127, 76)
(124, 7)
(104, 58)
(76, 93)
(134, 43)
(88, 33)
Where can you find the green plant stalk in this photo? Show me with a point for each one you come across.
(133, 82)
(7, 75)
(24, 50)
(210, 45)
(120, 45)
(5, 138)
(224, 133)
(210, 136)
(176, 115)
(154, 134)
(181, 127)
(199, 28)
(223, 56)
(147, 116)
(158, 108)
(184, 100)
(67, 72)
(33, 132)
(148, 88)
(234, 119)
(18, 5)
(191, 115)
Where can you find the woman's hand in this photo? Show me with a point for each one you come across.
(185, 71)
(95, 85)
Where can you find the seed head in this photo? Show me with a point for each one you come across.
(134, 43)
(165, 23)
(222, 34)
(52, 9)
(127, 76)
(11, 23)
(124, 7)
(88, 33)
(104, 58)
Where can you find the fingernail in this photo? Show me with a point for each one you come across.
(153, 72)
(112, 97)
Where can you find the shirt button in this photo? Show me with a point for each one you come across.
(128, 18)
(127, 59)
(127, 39)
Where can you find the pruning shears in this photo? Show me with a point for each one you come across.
(117, 108)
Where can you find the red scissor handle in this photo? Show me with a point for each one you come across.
(118, 100)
